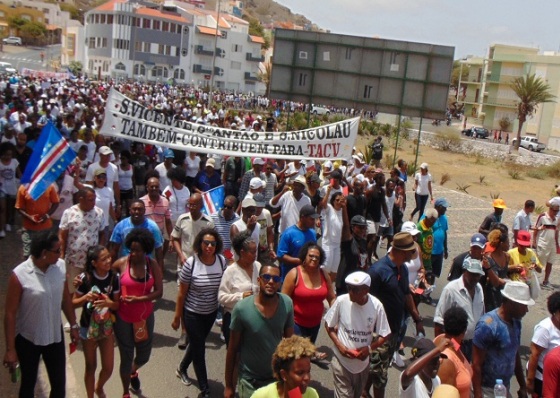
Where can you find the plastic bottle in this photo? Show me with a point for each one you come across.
(500, 391)
(95, 290)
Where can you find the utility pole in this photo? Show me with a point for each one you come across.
(214, 56)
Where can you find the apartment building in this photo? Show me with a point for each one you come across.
(173, 41)
(490, 98)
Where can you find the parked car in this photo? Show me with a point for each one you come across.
(320, 110)
(6, 67)
(479, 132)
(12, 40)
(530, 143)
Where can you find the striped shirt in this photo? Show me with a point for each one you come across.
(157, 212)
(223, 226)
(204, 282)
(271, 182)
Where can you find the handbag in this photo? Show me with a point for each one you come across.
(100, 324)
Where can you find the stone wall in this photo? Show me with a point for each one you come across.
(487, 149)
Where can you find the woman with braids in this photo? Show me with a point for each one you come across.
(98, 293)
(141, 284)
(291, 364)
(240, 278)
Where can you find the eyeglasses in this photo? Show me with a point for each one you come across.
(268, 277)
(57, 251)
(210, 242)
(313, 257)
(228, 207)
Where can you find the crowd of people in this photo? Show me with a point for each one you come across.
(294, 249)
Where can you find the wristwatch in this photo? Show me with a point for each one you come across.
(75, 326)
(419, 320)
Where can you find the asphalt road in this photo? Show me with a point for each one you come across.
(29, 57)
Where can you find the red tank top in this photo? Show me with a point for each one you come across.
(136, 312)
(308, 303)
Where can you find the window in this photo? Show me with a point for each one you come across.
(179, 74)
(156, 25)
(235, 65)
(236, 48)
(367, 91)
(90, 19)
(137, 22)
(27, 17)
(146, 23)
(110, 19)
(348, 55)
(165, 26)
(167, 50)
(120, 66)
(161, 49)
(2, 14)
(70, 42)
(90, 65)
(96, 18)
(138, 46)
(106, 66)
(139, 68)
(147, 47)
(160, 71)
(172, 28)
(224, 34)
(91, 43)
(103, 18)
(121, 44)
(302, 79)
(104, 42)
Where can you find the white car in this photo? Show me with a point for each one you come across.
(12, 40)
(320, 110)
(6, 67)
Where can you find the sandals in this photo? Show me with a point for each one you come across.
(320, 359)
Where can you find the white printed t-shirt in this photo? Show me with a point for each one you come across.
(356, 324)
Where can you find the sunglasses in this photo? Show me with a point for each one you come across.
(268, 277)
(210, 242)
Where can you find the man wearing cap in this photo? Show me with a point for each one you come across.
(478, 242)
(81, 227)
(377, 151)
(290, 200)
(497, 339)
(164, 167)
(389, 283)
(112, 173)
(157, 210)
(294, 237)
(522, 220)
(351, 322)
(545, 238)
(493, 218)
(295, 169)
(256, 171)
(207, 179)
(256, 185)
(223, 220)
(523, 261)
(466, 293)
(248, 221)
(266, 253)
(333, 187)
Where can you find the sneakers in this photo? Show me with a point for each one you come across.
(2, 234)
(219, 322)
(222, 338)
(398, 361)
(67, 327)
(134, 382)
(182, 341)
(544, 284)
(183, 377)
(8, 228)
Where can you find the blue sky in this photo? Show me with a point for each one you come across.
(470, 26)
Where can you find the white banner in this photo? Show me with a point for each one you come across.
(42, 73)
(127, 119)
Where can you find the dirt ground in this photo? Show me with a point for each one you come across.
(482, 178)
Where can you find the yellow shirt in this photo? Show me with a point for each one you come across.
(526, 260)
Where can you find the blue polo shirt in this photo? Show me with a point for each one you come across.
(391, 287)
(291, 241)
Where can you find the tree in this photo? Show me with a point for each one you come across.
(256, 29)
(264, 76)
(531, 91)
(16, 22)
(34, 31)
(505, 123)
(76, 68)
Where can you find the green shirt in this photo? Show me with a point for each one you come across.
(271, 391)
(426, 243)
(260, 336)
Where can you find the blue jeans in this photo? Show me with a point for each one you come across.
(307, 332)
(421, 201)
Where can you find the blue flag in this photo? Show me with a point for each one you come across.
(51, 156)
(213, 200)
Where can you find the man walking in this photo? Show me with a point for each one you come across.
(157, 210)
(522, 220)
(258, 324)
(545, 238)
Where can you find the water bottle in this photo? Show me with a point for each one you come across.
(500, 391)
(95, 290)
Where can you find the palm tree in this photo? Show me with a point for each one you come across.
(532, 91)
(264, 75)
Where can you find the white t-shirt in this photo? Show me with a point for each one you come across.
(356, 324)
(125, 178)
(545, 335)
(104, 197)
(418, 389)
(423, 181)
(332, 226)
(192, 166)
(390, 201)
(111, 171)
(264, 220)
(177, 200)
(323, 191)
(163, 180)
(8, 177)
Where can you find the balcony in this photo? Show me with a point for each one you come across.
(250, 57)
(201, 51)
(207, 70)
(250, 77)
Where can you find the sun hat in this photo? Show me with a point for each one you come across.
(424, 166)
(248, 202)
(499, 204)
(403, 241)
(300, 180)
(211, 162)
(169, 154)
(441, 202)
(256, 183)
(518, 292)
(259, 200)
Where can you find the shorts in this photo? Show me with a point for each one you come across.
(83, 333)
(26, 237)
(332, 258)
(546, 254)
(127, 194)
(380, 360)
(372, 227)
(385, 231)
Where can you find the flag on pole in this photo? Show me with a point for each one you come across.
(213, 200)
(51, 156)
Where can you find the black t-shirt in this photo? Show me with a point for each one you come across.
(375, 205)
(353, 257)
(23, 157)
(108, 285)
(270, 123)
(377, 151)
(457, 266)
(315, 199)
(355, 206)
